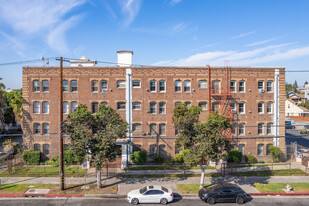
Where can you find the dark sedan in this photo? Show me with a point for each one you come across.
(223, 193)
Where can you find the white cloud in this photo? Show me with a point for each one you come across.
(129, 9)
(57, 39)
(263, 55)
(242, 35)
(33, 16)
(261, 42)
(178, 27)
(174, 2)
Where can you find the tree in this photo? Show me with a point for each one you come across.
(2, 86)
(305, 83)
(95, 135)
(15, 100)
(206, 140)
(275, 153)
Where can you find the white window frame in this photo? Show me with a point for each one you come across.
(65, 107)
(104, 88)
(244, 108)
(241, 126)
(202, 84)
(187, 86)
(200, 104)
(178, 85)
(136, 106)
(73, 106)
(45, 105)
(36, 107)
(260, 128)
(233, 87)
(121, 84)
(271, 87)
(269, 106)
(162, 108)
(153, 86)
(262, 107)
(160, 86)
(244, 86)
(152, 107)
(136, 81)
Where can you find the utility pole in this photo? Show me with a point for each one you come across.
(61, 168)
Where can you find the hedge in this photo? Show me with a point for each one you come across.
(140, 157)
(32, 157)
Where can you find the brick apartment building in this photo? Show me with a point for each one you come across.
(255, 99)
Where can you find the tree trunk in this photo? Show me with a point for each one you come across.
(99, 183)
(203, 168)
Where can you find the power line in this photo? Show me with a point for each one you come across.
(27, 61)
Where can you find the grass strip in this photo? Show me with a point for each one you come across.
(278, 187)
(283, 172)
(170, 175)
(190, 188)
(166, 167)
(257, 165)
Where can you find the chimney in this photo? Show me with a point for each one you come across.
(124, 58)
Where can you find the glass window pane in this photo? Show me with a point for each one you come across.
(94, 86)
(136, 83)
(187, 86)
(94, 107)
(65, 85)
(36, 86)
(104, 87)
(36, 128)
(152, 86)
(136, 105)
(153, 128)
(45, 107)
(37, 147)
(65, 107)
(260, 85)
(121, 84)
(241, 86)
(269, 86)
(202, 84)
(162, 85)
(46, 148)
(152, 108)
(162, 108)
(162, 129)
(45, 84)
(136, 127)
(121, 105)
(36, 107)
(73, 106)
(45, 128)
(177, 86)
(73, 86)
(203, 105)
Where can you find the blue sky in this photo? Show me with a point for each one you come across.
(160, 32)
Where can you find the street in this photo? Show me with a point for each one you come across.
(269, 201)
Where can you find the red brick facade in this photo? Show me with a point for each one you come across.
(144, 94)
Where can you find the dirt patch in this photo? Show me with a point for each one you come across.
(91, 189)
(301, 189)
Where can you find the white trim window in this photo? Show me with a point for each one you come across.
(73, 106)
(45, 108)
(269, 107)
(121, 84)
(269, 86)
(136, 106)
(241, 108)
(260, 149)
(73, 85)
(45, 85)
(36, 107)
(162, 106)
(94, 86)
(233, 86)
(65, 107)
(187, 86)
(242, 86)
(136, 84)
(136, 127)
(36, 85)
(241, 129)
(177, 103)
(162, 129)
(178, 86)
(203, 105)
(65, 85)
(260, 86)
(260, 129)
(153, 86)
(152, 107)
(45, 128)
(121, 105)
(261, 107)
(188, 104)
(36, 128)
(104, 86)
(162, 86)
(269, 129)
(202, 84)
(233, 106)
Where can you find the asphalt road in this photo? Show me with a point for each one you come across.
(261, 201)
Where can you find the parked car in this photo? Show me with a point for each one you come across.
(223, 193)
(150, 194)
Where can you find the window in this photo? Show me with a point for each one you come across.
(233, 86)
(104, 87)
(162, 107)
(65, 107)
(269, 128)
(241, 129)
(152, 107)
(269, 86)
(202, 84)
(37, 147)
(260, 149)
(162, 150)
(188, 104)
(187, 86)
(269, 107)
(136, 106)
(65, 85)
(215, 106)
(45, 85)
(260, 129)
(104, 103)
(46, 148)
(152, 149)
(136, 84)
(203, 105)
(241, 148)
(136, 127)
(73, 106)
(261, 86)
(289, 107)
(241, 87)
(45, 108)
(233, 106)
(45, 128)
(162, 86)
(73, 85)
(216, 84)
(177, 86)
(268, 149)
(176, 131)
(121, 84)
(177, 103)
(152, 86)
(162, 129)
(121, 105)
(94, 86)
(153, 128)
(94, 107)
(36, 107)
(36, 86)
(36, 128)
(261, 107)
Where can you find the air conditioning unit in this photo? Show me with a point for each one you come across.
(144, 134)
(249, 132)
(193, 90)
(148, 133)
(147, 90)
(110, 90)
(261, 90)
(147, 111)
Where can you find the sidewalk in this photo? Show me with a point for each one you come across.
(127, 184)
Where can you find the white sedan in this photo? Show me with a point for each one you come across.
(151, 194)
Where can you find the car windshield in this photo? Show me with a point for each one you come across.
(164, 189)
(143, 190)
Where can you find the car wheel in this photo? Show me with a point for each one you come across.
(134, 201)
(240, 200)
(163, 201)
(211, 200)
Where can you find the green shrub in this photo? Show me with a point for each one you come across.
(251, 158)
(71, 158)
(185, 152)
(158, 158)
(178, 158)
(54, 161)
(131, 156)
(261, 161)
(275, 153)
(140, 157)
(32, 157)
(234, 156)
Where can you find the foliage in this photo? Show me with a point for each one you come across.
(15, 100)
(54, 161)
(140, 157)
(234, 156)
(250, 158)
(158, 158)
(32, 157)
(185, 152)
(95, 135)
(178, 158)
(304, 104)
(2, 86)
(306, 82)
(8, 145)
(261, 161)
(71, 158)
(275, 153)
